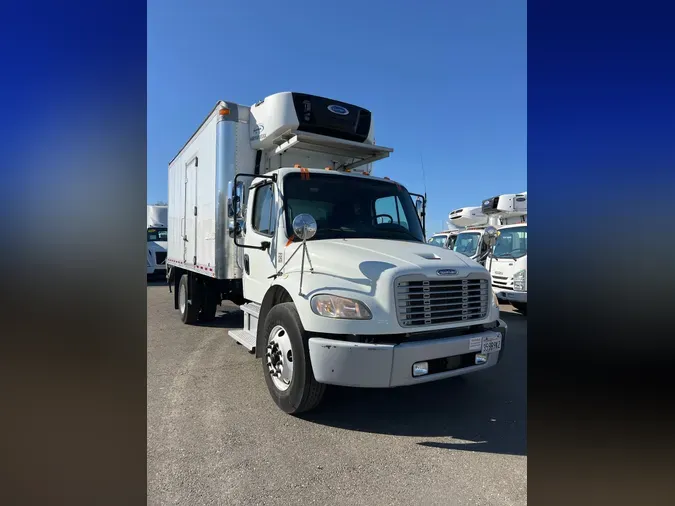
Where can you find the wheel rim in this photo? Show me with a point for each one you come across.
(279, 357)
(182, 298)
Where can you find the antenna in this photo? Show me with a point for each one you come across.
(424, 177)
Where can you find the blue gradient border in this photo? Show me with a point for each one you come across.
(72, 198)
(601, 181)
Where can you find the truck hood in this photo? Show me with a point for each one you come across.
(367, 270)
(372, 258)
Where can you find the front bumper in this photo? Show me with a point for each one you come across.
(509, 295)
(363, 365)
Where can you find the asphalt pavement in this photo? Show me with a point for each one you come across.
(216, 437)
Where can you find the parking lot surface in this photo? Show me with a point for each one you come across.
(216, 437)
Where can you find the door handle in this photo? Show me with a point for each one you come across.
(247, 266)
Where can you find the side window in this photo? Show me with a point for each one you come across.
(389, 210)
(263, 210)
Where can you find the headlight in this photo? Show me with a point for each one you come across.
(333, 306)
(519, 280)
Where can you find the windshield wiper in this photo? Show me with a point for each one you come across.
(340, 230)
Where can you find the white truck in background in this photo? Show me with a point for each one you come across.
(445, 239)
(507, 261)
(275, 207)
(460, 218)
(157, 240)
(469, 240)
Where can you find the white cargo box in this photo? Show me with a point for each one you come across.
(198, 192)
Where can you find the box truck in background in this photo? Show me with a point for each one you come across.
(157, 240)
(507, 262)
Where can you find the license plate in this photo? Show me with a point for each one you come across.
(491, 344)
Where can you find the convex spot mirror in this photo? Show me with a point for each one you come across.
(304, 226)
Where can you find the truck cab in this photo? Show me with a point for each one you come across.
(470, 238)
(444, 239)
(471, 243)
(508, 265)
(328, 262)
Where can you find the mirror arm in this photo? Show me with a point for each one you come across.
(263, 245)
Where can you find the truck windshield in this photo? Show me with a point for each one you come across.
(467, 244)
(157, 234)
(437, 240)
(511, 243)
(351, 207)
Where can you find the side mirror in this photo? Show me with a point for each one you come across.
(490, 236)
(237, 201)
(419, 207)
(236, 227)
(304, 226)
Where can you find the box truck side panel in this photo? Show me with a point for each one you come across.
(205, 217)
(199, 177)
(176, 252)
(191, 202)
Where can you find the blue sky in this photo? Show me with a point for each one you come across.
(446, 81)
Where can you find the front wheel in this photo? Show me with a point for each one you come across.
(288, 372)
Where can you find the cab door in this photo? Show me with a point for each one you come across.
(259, 262)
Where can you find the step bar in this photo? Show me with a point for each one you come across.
(247, 335)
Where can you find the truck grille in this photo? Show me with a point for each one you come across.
(160, 256)
(501, 281)
(425, 302)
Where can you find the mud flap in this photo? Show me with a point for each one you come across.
(169, 276)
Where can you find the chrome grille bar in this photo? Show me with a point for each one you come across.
(421, 301)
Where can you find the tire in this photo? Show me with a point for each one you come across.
(188, 312)
(303, 393)
(520, 306)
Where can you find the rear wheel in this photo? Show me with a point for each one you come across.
(188, 311)
(286, 366)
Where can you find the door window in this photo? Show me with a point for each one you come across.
(263, 210)
(389, 210)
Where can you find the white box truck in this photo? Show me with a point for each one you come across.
(508, 259)
(157, 240)
(275, 207)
